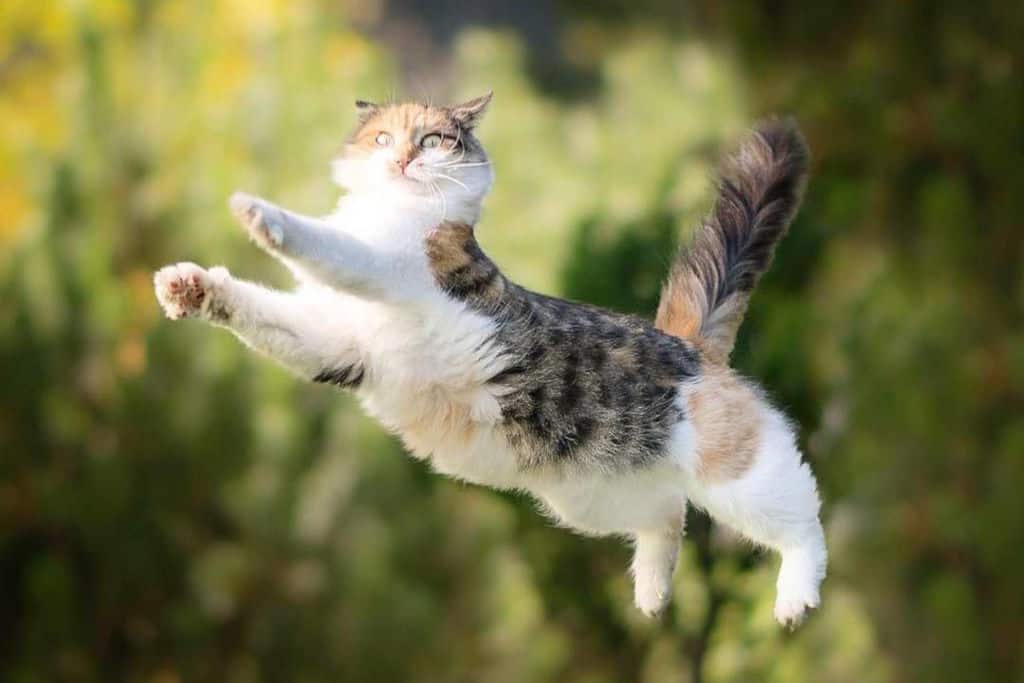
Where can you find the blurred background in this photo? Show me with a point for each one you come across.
(175, 509)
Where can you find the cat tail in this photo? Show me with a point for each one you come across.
(711, 281)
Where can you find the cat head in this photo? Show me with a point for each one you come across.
(419, 150)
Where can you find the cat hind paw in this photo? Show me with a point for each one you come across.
(793, 602)
(652, 595)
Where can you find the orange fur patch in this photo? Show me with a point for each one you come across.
(727, 421)
(456, 260)
(446, 247)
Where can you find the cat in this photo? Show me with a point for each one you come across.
(613, 424)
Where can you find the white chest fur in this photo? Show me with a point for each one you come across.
(427, 358)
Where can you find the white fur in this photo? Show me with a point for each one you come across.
(366, 295)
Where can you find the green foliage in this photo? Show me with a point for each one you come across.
(173, 508)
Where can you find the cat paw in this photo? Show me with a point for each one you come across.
(791, 606)
(652, 596)
(797, 588)
(261, 219)
(182, 289)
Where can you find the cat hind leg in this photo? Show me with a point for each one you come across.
(775, 504)
(654, 562)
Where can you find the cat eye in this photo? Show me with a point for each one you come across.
(431, 141)
(383, 139)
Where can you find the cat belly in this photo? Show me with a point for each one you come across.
(457, 433)
(640, 499)
(616, 503)
(483, 459)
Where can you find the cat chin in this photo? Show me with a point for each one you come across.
(354, 179)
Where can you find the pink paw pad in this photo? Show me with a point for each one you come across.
(181, 289)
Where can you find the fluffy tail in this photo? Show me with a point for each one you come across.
(711, 280)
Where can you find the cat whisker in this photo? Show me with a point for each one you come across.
(468, 164)
(448, 177)
(452, 162)
(462, 148)
(444, 201)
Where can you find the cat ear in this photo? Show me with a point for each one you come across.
(365, 110)
(468, 114)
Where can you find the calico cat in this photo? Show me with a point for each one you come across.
(613, 424)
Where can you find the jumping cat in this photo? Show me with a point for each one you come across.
(613, 424)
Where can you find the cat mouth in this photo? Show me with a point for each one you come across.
(414, 184)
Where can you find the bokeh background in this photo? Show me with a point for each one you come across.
(175, 509)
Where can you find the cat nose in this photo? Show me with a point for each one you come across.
(402, 163)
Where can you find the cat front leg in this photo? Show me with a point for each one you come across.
(278, 324)
(314, 248)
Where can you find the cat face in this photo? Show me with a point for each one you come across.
(417, 149)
